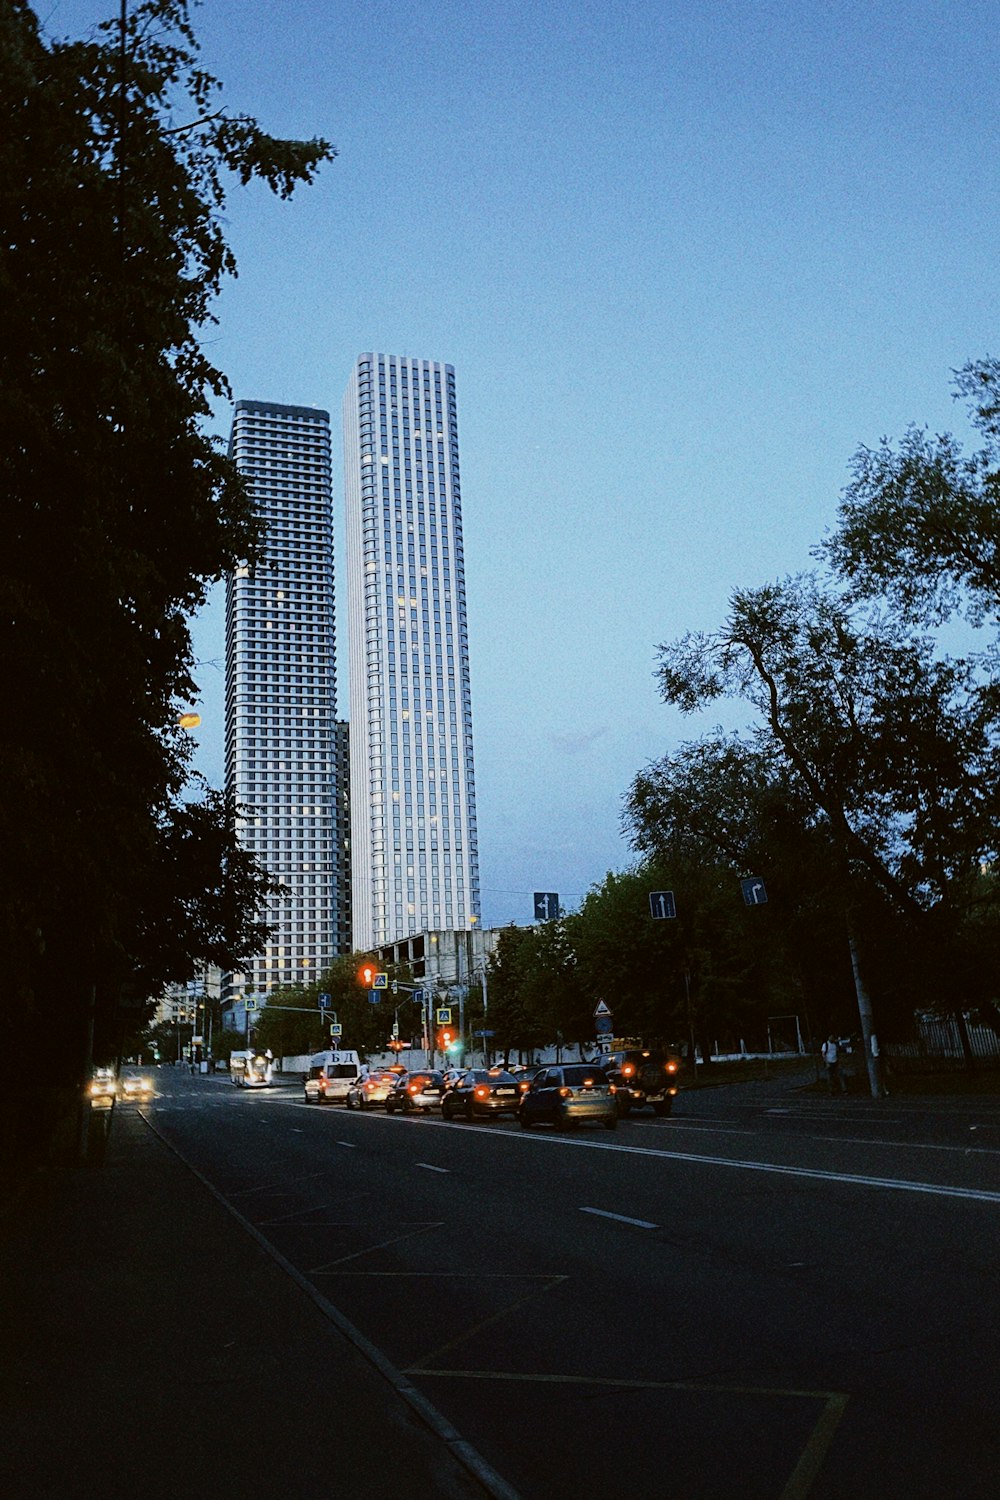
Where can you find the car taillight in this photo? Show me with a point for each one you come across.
(564, 1093)
(371, 1084)
(414, 1088)
(524, 1087)
(671, 1067)
(628, 1070)
(481, 1091)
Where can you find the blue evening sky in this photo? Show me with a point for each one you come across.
(685, 256)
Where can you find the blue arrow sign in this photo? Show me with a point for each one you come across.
(754, 893)
(324, 1002)
(546, 906)
(662, 904)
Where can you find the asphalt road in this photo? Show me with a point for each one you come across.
(764, 1297)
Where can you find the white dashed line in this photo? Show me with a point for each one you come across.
(621, 1218)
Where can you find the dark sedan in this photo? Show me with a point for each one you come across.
(411, 1091)
(568, 1094)
(481, 1093)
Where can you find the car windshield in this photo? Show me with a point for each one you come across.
(424, 1078)
(577, 1076)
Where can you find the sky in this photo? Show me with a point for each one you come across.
(685, 259)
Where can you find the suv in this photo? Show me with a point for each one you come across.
(643, 1075)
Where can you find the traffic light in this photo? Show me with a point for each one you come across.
(447, 1040)
(366, 975)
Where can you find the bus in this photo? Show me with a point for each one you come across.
(251, 1069)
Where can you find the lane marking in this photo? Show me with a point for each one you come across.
(467, 1333)
(281, 1188)
(816, 1174)
(426, 1166)
(811, 1458)
(602, 1213)
(296, 1213)
(349, 1145)
(326, 1269)
(814, 1453)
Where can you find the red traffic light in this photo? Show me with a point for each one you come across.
(366, 975)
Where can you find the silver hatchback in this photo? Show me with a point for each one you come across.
(567, 1095)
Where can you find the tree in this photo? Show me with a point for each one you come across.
(919, 524)
(516, 1024)
(117, 510)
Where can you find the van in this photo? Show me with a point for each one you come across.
(329, 1077)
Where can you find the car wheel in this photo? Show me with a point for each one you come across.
(524, 1122)
(389, 1107)
(469, 1112)
(623, 1106)
(663, 1107)
(611, 1123)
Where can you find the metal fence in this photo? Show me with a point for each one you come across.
(937, 1044)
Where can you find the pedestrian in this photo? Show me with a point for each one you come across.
(831, 1056)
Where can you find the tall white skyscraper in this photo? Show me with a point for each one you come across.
(281, 735)
(415, 863)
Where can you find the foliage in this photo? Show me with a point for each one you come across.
(117, 510)
(919, 524)
(867, 782)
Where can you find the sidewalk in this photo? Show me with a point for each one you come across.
(153, 1349)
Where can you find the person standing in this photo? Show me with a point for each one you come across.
(831, 1056)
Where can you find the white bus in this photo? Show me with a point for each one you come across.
(251, 1069)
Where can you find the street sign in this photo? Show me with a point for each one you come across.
(249, 1004)
(601, 1009)
(395, 1029)
(604, 1025)
(546, 906)
(336, 1029)
(754, 893)
(417, 997)
(444, 1016)
(373, 997)
(662, 904)
(324, 1002)
(380, 982)
(484, 1033)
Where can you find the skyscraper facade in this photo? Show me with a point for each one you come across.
(413, 808)
(281, 736)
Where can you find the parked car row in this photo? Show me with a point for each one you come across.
(562, 1094)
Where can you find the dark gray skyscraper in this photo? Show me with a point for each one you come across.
(281, 734)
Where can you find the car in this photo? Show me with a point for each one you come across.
(102, 1088)
(132, 1086)
(482, 1093)
(370, 1087)
(568, 1094)
(643, 1075)
(418, 1090)
(524, 1073)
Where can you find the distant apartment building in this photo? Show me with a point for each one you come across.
(413, 807)
(282, 744)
